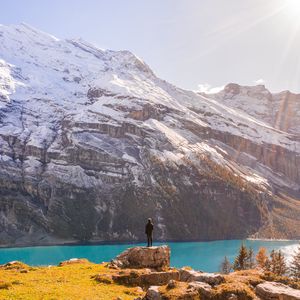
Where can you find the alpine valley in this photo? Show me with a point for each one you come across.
(92, 143)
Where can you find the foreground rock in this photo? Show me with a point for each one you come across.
(72, 261)
(180, 290)
(192, 275)
(146, 278)
(276, 291)
(203, 289)
(157, 258)
(153, 293)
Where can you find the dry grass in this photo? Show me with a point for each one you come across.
(70, 281)
(242, 290)
(240, 283)
(178, 292)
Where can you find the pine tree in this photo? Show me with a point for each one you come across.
(295, 265)
(277, 264)
(240, 262)
(262, 258)
(250, 259)
(225, 266)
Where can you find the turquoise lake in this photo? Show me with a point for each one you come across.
(205, 256)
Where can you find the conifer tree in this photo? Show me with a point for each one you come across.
(262, 258)
(295, 265)
(277, 264)
(240, 262)
(250, 259)
(225, 266)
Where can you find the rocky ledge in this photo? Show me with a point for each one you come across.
(275, 290)
(157, 258)
(149, 269)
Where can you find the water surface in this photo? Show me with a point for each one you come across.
(205, 256)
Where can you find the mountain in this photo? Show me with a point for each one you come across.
(92, 143)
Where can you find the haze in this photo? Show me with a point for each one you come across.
(194, 44)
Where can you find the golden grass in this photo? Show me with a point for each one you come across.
(70, 281)
(178, 292)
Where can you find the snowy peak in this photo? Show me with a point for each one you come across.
(279, 110)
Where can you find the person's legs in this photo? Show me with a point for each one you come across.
(148, 240)
(151, 240)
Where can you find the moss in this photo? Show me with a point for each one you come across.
(242, 290)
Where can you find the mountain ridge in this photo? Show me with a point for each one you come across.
(87, 136)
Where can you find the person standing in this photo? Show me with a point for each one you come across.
(149, 232)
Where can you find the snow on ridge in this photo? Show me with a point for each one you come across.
(61, 72)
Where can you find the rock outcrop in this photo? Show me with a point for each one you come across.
(192, 275)
(157, 258)
(153, 293)
(276, 291)
(72, 261)
(145, 278)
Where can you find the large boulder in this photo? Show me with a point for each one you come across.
(203, 289)
(192, 275)
(157, 258)
(276, 291)
(153, 294)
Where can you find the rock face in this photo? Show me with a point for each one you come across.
(153, 293)
(88, 136)
(276, 291)
(146, 278)
(157, 258)
(209, 278)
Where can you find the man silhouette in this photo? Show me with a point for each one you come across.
(148, 231)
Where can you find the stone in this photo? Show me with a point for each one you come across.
(145, 278)
(103, 278)
(73, 261)
(171, 284)
(276, 291)
(153, 293)
(204, 289)
(24, 271)
(192, 275)
(157, 258)
(15, 265)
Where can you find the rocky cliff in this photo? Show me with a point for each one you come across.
(92, 143)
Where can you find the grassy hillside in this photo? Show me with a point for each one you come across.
(70, 281)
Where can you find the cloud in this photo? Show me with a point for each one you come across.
(208, 89)
(259, 81)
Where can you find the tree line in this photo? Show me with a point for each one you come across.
(274, 263)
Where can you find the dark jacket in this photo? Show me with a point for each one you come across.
(149, 228)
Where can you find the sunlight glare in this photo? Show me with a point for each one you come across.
(294, 7)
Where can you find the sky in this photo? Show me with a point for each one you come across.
(194, 44)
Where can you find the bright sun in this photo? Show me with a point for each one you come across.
(294, 6)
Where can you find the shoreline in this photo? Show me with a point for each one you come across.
(138, 242)
(272, 240)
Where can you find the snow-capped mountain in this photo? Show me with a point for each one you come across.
(92, 143)
(281, 110)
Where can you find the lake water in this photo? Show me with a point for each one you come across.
(205, 256)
